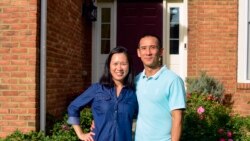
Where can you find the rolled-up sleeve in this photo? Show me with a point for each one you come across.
(79, 103)
(74, 120)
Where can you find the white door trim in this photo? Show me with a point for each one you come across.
(96, 39)
(183, 36)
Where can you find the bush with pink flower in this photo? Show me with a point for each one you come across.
(208, 119)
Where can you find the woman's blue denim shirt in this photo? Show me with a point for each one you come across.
(113, 116)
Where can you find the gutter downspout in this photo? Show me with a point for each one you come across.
(43, 39)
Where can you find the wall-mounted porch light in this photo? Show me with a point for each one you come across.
(89, 10)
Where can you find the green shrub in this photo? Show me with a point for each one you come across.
(208, 120)
(31, 136)
(61, 130)
(205, 84)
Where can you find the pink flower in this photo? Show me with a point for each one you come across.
(222, 139)
(220, 131)
(229, 134)
(200, 110)
(230, 140)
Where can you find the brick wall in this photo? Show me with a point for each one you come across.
(68, 53)
(212, 37)
(18, 65)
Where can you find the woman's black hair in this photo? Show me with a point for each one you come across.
(106, 78)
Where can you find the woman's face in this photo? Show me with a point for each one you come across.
(119, 67)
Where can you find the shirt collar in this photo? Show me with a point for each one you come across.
(155, 76)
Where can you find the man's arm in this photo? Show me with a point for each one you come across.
(177, 116)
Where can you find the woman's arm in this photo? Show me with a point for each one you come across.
(74, 110)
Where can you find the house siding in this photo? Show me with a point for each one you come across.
(18, 65)
(68, 54)
(212, 47)
(68, 59)
(212, 42)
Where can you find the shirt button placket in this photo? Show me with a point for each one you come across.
(115, 112)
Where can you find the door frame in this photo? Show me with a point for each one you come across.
(183, 36)
(96, 37)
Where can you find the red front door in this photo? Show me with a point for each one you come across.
(134, 19)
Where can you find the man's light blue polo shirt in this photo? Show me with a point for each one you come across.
(157, 96)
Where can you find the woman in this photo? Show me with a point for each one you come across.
(113, 101)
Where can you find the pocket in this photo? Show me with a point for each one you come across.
(103, 98)
(129, 107)
(102, 104)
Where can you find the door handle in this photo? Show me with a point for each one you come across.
(185, 46)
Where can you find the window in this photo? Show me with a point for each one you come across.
(244, 42)
(174, 30)
(103, 37)
(105, 30)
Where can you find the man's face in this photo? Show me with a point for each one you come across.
(149, 52)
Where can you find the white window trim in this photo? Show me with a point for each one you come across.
(183, 35)
(242, 42)
(96, 37)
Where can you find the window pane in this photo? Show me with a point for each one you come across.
(105, 30)
(105, 46)
(174, 30)
(174, 15)
(106, 15)
(174, 22)
(174, 47)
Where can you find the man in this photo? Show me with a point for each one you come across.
(161, 95)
